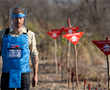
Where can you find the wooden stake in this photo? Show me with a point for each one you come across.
(76, 58)
(61, 72)
(68, 54)
(68, 76)
(68, 60)
(56, 57)
(108, 70)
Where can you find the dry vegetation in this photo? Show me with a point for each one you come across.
(92, 17)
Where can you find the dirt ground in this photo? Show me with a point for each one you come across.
(50, 80)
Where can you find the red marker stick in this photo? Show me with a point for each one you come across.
(96, 89)
(59, 66)
(69, 22)
(85, 84)
(72, 76)
(72, 79)
(89, 86)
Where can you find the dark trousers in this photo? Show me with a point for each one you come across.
(25, 82)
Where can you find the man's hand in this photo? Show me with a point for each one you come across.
(35, 71)
(34, 81)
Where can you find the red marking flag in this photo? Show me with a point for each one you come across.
(54, 33)
(70, 30)
(103, 45)
(74, 38)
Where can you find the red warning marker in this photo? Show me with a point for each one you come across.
(103, 45)
(54, 33)
(74, 38)
(70, 30)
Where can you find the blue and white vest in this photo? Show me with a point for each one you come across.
(15, 55)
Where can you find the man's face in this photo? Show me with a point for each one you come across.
(18, 22)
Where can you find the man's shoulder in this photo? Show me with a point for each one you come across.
(2, 32)
(31, 34)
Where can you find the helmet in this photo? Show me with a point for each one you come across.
(18, 13)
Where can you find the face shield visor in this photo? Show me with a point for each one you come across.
(17, 13)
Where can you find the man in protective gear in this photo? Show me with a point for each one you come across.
(17, 45)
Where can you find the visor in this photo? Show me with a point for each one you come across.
(20, 15)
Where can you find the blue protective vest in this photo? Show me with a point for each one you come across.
(15, 55)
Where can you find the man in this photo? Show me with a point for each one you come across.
(18, 43)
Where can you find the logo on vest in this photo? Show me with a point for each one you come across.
(14, 52)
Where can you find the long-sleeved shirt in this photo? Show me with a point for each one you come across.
(31, 38)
